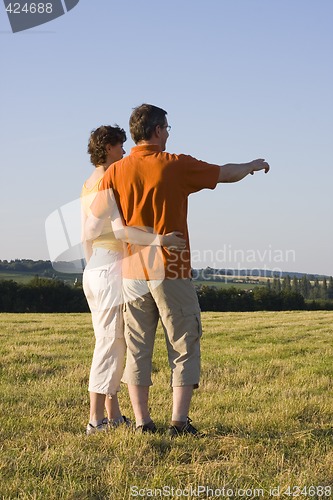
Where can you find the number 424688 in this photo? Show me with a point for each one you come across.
(32, 8)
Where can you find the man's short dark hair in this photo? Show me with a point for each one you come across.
(144, 120)
(100, 138)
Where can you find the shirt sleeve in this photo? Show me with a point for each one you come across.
(196, 174)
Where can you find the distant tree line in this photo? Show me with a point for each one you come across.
(46, 296)
(277, 295)
(309, 289)
(41, 295)
(26, 265)
(259, 299)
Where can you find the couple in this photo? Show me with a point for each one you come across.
(151, 189)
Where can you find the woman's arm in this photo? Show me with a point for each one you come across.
(86, 244)
(94, 226)
(138, 236)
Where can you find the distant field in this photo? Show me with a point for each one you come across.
(18, 277)
(70, 278)
(265, 404)
(25, 277)
(222, 284)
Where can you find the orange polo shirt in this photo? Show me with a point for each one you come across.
(152, 188)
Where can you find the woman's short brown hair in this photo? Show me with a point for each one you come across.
(100, 138)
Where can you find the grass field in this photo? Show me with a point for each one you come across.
(265, 404)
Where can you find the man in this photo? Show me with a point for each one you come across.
(152, 189)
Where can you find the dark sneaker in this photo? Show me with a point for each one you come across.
(150, 428)
(127, 422)
(186, 429)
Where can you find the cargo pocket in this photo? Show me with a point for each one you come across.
(191, 314)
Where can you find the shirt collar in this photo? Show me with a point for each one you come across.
(145, 149)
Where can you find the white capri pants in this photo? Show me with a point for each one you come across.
(102, 286)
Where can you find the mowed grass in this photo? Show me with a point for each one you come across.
(265, 404)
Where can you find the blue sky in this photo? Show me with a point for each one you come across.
(240, 79)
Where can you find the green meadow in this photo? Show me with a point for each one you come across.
(265, 405)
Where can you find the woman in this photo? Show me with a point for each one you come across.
(102, 283)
